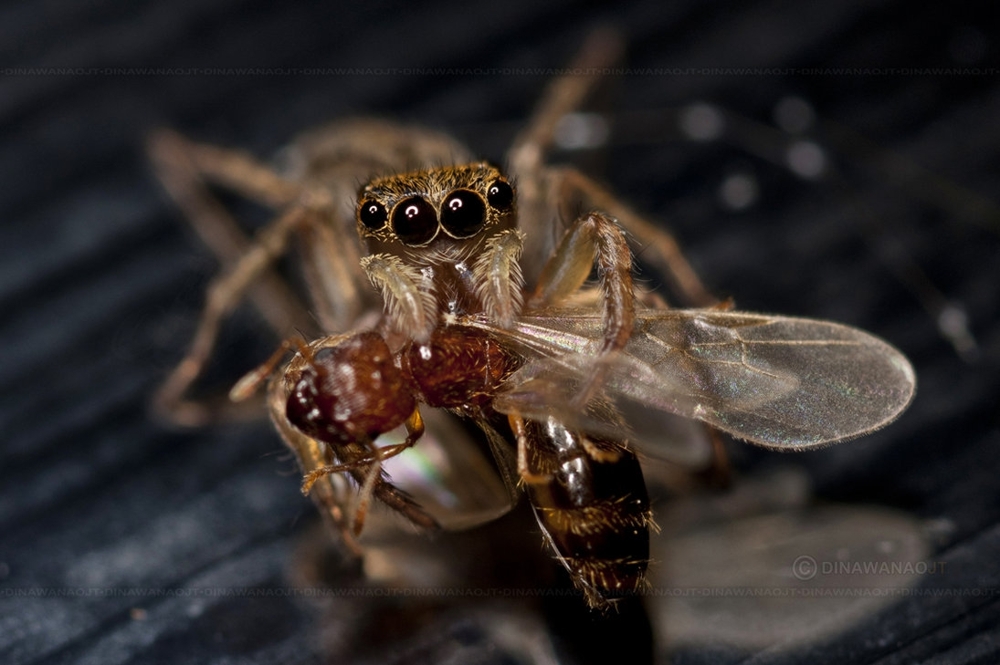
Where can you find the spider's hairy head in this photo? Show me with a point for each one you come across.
(434, 215)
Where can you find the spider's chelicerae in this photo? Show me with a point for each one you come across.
(481, 306)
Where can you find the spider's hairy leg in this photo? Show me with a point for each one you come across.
(409, 299)
(542, 188)
(253, 379)
(184, 169)
(527, 156)
(497, 271)
(562, 96)
(594, 239)
(656, 246)
(224, 293)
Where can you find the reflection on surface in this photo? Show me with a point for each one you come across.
(758, 566)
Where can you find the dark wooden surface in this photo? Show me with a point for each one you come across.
(108, 513)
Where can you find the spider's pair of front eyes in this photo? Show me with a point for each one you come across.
(415, 222)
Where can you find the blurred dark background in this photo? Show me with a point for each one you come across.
(101, 283)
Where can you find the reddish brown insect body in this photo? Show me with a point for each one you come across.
(587, 492)
(351, 392)
(458, 370)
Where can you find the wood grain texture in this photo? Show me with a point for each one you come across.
(100, 285)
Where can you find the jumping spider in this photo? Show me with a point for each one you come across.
(481, 306)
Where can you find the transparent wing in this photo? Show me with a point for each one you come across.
(776, 381)
(449, 475)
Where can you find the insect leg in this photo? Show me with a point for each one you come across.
(331, 495)
(375, 485)
(524, 467)
(371, 475)
(414, 428)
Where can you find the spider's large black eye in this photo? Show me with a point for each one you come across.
(414, 221)
(500, 195)
(463, 213)
(372, 214)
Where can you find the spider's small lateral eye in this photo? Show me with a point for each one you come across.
(414, 221)
(463, 214)
(500, 195)
(372, 214)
